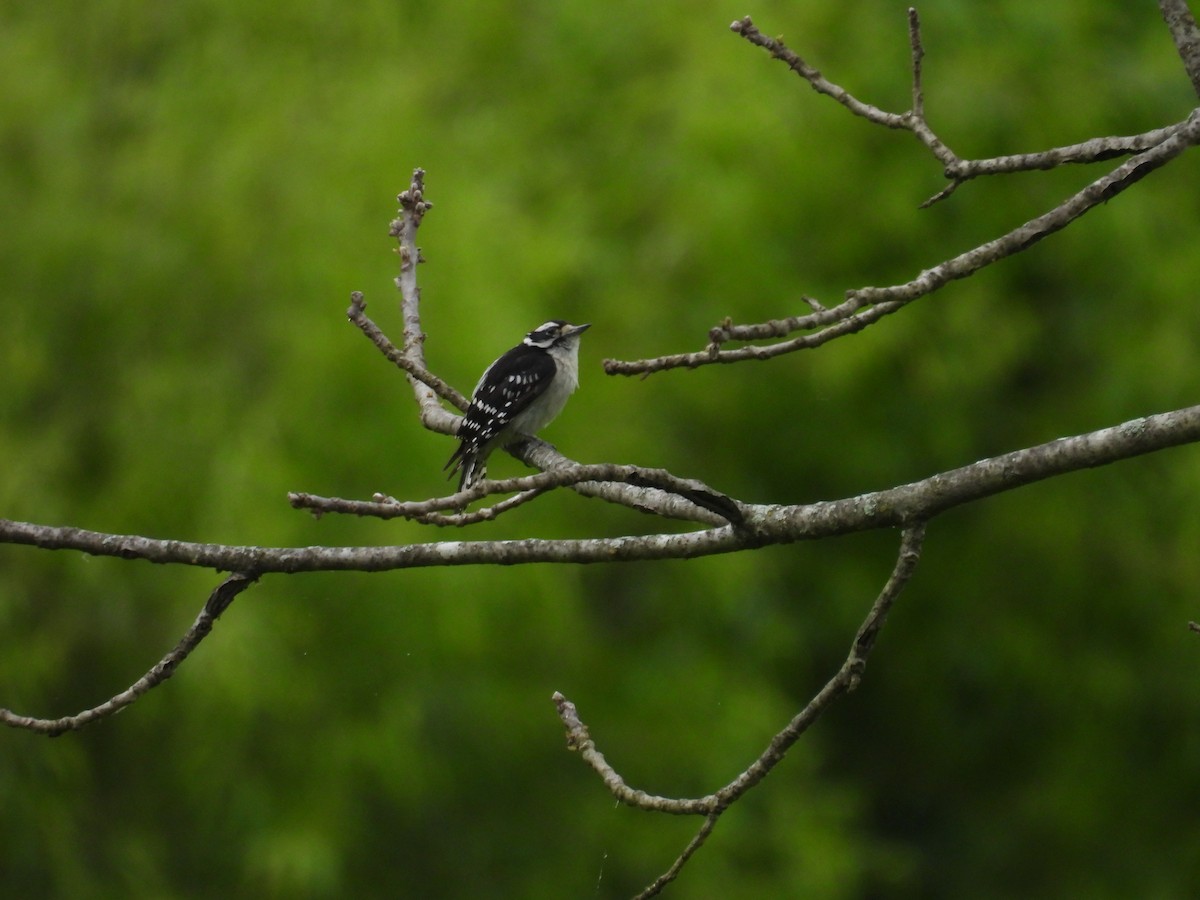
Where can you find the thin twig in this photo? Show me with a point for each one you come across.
(917, 122)
(425, 512)
(403, 360)
(658, 884)
(217, 603)
(580, 740)
(530, 486)
(1094, 150)
(1098, 149)
(818, 82)
(867, 305)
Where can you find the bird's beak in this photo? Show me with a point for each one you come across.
(577, 329)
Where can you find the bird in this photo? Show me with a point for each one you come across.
(517, 395)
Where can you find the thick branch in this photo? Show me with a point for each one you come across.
(763, 525)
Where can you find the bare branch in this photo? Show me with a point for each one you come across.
(656, 886)
(847, 677)
(442, 423)
(579, 740)
(425, 512)
(538, 454)
(956, 169)
(428, 387)
(746, 28)
(413, 207)
(762, 525)
(918, 56)
(712, 806)
(217, 603)
(1186, 35)
(696, 492)
(1090, 151)
(865, 306)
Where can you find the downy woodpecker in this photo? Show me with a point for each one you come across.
(520, 393)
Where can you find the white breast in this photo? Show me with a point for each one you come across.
(542, 412)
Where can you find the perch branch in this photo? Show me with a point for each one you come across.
(763, 524)
(429, 511)
(424, 512)
(428, 387)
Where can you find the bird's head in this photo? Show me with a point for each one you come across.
(555, 333)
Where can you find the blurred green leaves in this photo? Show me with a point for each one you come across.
(191, 192)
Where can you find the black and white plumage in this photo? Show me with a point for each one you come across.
(520, 393)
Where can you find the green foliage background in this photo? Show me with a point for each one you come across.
(192, 190)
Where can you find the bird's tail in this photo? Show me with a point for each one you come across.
(467, 463)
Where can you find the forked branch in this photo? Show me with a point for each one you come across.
(713, 805)
(865, 306)
(652, 491)
(444, 510)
